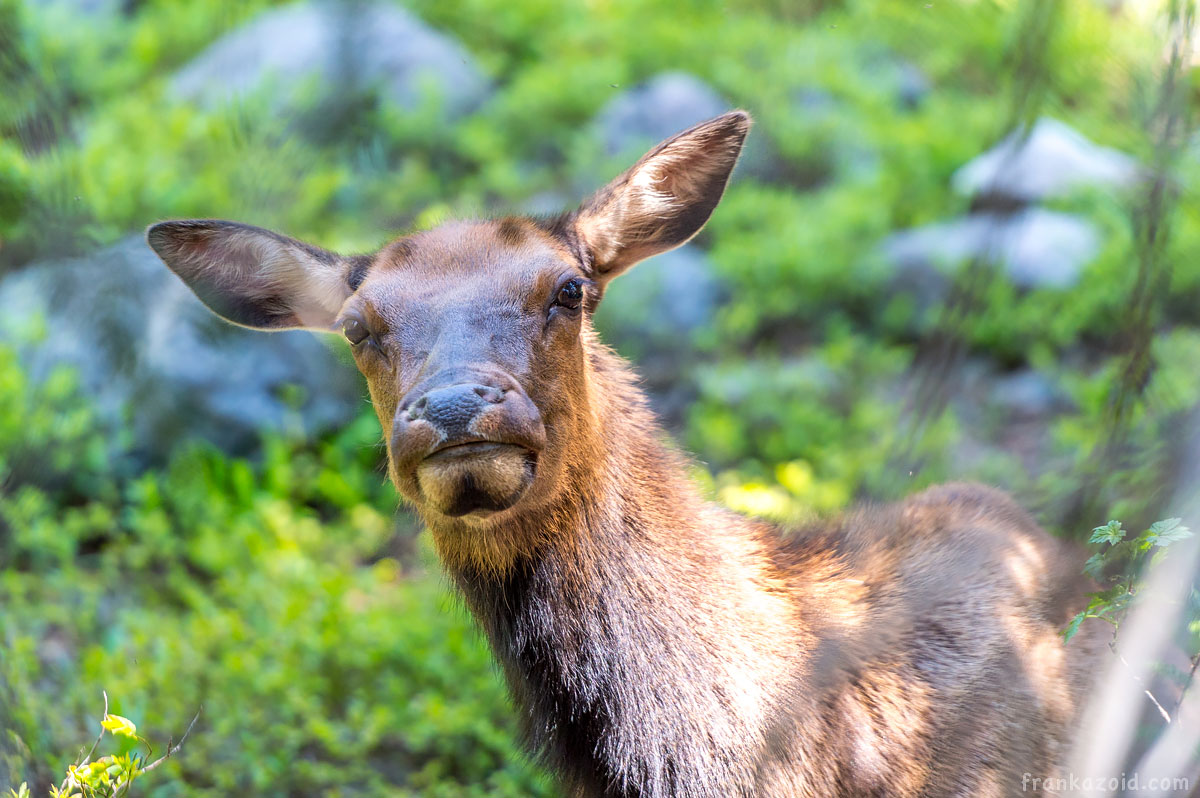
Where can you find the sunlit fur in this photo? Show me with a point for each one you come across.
(657, 645)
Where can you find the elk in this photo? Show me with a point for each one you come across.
(656, 644)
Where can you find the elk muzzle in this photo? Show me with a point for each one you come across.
(468, 447)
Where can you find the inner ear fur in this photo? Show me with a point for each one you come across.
(665, 198)
(255, 277)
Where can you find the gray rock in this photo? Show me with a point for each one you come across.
(67, 11)
(1037, 248)
(1053, 161)
(356, 45)
(841, 151)
(143, 345)
(653, 309)
(1027, 393)
(651, 313)
(660, 107)
(894, 76)
(912, 85)
(667, 103)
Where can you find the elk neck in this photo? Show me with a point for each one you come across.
(642, 640)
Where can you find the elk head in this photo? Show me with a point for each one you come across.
(475, 337)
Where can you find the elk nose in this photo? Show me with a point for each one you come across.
(451, 409)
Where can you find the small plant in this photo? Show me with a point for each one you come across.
(109, 776)
(1122, 559)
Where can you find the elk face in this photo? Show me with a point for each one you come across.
(474, 337)
(471, 339)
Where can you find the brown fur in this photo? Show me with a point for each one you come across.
(655, 644)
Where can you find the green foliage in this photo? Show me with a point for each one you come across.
(111, 775)
(107, 777)
(1119, 563)
(261, 591)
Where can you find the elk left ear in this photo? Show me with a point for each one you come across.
(254, 277)
(665, 198)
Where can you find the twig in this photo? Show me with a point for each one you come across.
(1166, 716)
(1188, 682)
(1159, 706)
(99, 737)
(62, 787)
(171, 750)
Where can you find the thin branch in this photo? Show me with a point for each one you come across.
(1166, 716)
(99, 737)
(171, 750)
(1188, 682)
(1159, 706)
(62, 787)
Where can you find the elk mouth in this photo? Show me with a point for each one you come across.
(474, 449)
(476, 478)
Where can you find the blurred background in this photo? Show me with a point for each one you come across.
(964, 242)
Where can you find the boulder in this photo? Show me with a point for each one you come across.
(911, 85)
(662, 106)
(653, 309)
(651, 313)
(1037, 248)
(1028, 393)
(667, 103)
(145, 347)
(348, 45)
(1052, 161)
(88, 11)
(836, 147)
(893, 76)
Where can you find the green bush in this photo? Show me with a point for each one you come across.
(261, 592)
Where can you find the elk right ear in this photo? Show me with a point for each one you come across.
(254, 277)
(665, 198)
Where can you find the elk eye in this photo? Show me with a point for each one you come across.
(570, 295)
(355, 331)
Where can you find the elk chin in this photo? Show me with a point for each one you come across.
(476, 479)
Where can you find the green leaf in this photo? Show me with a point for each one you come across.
(1124, 552)
(1111, 533)
(1073, 627)
(1105, 596)
(1094, 567)
(1119, 603)
(121, 727)
(1166, 532)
